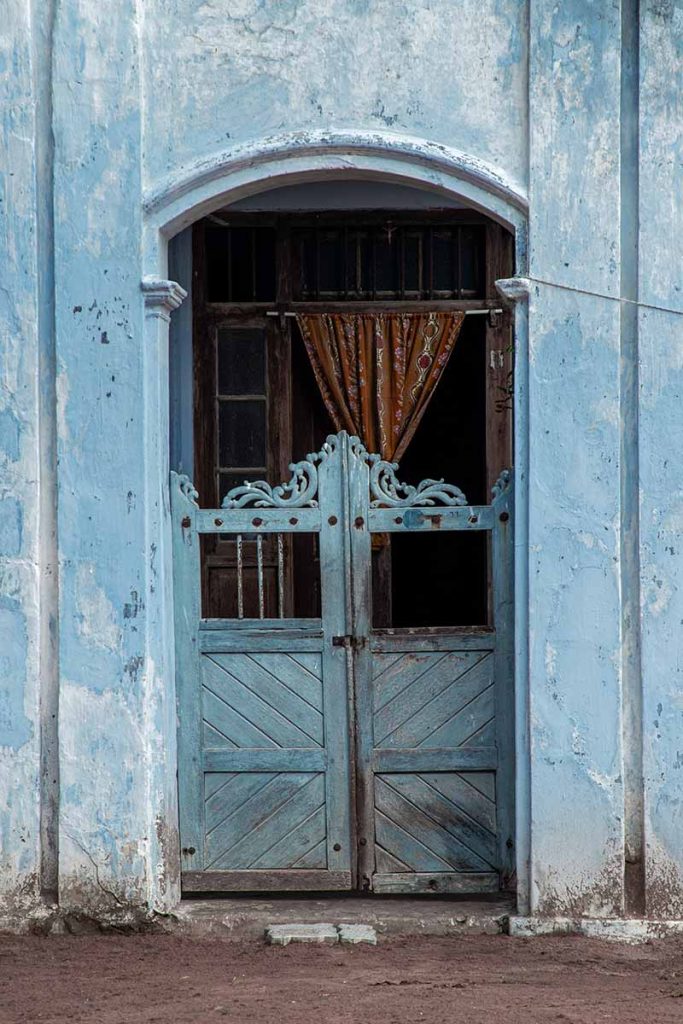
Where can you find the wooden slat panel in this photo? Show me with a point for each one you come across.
(440, 808)
(273, 759)
(462, 725)
(289, 880)
(422, 827)
(430, 700)
(237, 692)
(231, 724)
(424, 759)
(393, 673)
(484, 782)
(471, 800)
(249, 815)
(461, 882)
(211, 737)
(259, 676)
(413, 854)
(298, 844)
(315, 858)
(229, 798)
(304, 681)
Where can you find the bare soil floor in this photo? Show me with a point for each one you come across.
(163, 978)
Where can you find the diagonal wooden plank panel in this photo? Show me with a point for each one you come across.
(437, 728)
(465, 797)
(483, 782)
(213, 781)
(298, 841)
(486, 733)
(386, 863)
(213, 737)
(227, 800)
(409, 701)
(261, 680)
(398, 673)
(239, 696)
(304, 798)
(257, 809)
(234, 726)
(381, 662)
(428, 721)
(440, 809)
(296, 677)
(315, 858)
(423, 828)
(402, 846)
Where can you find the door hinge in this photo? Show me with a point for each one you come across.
(356, 643)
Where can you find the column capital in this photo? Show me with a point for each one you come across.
(514, 289)
(162, 297)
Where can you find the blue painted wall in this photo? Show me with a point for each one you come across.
(121, 124)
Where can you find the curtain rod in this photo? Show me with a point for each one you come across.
(467, 312)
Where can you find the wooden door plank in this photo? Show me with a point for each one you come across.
(289, 879)
(466, 797)
(335, 619)
(418, 884)
(239, 693)
(426, 759)
(231, 723)
(396, 672)
(416, 823)
(449, 816)
(229, 799)
(315, 858)
(436, 698)
(414, 855)
(298, 844)
(252, 813)
(277, 827)
(259, 676)
(302, 681)
(466, 722)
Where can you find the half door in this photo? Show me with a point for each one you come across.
(264, 770)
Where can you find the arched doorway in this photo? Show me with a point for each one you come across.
(415, 794)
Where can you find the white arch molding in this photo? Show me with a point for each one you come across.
(219, 181)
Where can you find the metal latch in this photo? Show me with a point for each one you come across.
(355, 643)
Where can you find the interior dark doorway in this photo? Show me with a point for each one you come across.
(257, 406)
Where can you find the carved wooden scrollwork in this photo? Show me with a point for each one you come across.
(387, 491)
(187, 488)
(299, 492)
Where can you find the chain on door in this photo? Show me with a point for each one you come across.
(320, 753)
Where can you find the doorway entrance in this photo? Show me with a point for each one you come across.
(322, 753)
(344, 643)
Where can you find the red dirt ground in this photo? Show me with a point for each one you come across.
(169, 979)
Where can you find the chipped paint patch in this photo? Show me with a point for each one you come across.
(96, 621)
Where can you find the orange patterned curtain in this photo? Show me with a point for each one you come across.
(377, 371)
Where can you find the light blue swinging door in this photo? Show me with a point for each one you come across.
(322, 753)
(264, 752)
(433, 706)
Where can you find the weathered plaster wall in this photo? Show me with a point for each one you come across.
(115, 736)
(246, 70)
(574, 456)
(140, 94)
(660, 463)
(20, 587)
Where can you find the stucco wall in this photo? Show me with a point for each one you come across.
(121, 123)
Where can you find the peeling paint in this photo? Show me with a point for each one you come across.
(514, 105)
